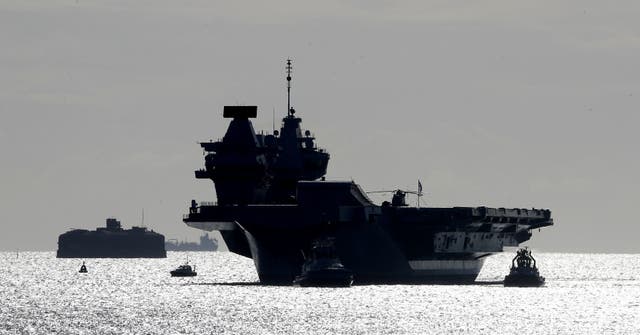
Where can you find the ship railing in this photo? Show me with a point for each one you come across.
(197, 210)
(511, 212)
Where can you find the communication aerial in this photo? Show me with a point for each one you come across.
(289, 68)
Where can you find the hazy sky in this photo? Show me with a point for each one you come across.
(494, 103)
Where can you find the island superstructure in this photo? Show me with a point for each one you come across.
(273, 202)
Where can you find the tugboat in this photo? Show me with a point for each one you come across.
(83, 268)
(184, 270)
(525, 274)
(323, 268)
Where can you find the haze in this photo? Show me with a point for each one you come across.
(497, 103)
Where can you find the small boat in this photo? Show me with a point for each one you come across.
(525, 273)
(323, 268)
(184, 270)
(83, 268)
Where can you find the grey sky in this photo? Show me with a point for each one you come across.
(496, 103)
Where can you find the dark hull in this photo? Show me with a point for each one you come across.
(380, 245)
(517, 280)
(368, 252)
(183, 274)
(325, 278)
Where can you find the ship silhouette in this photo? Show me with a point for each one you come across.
(206, 244)
(273, 202)
(111, 242)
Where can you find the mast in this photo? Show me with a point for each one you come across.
(419, 193)
(289, 86)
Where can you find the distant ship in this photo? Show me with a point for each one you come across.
(273, 202)
(206, 244)
(111, 242)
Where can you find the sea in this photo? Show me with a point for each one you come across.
(40, 294)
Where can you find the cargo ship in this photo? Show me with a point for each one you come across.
(111, 241)
(206, 244)
(273, 201)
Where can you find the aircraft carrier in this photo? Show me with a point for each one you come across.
(273, 202)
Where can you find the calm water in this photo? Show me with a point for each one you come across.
(585, 294)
